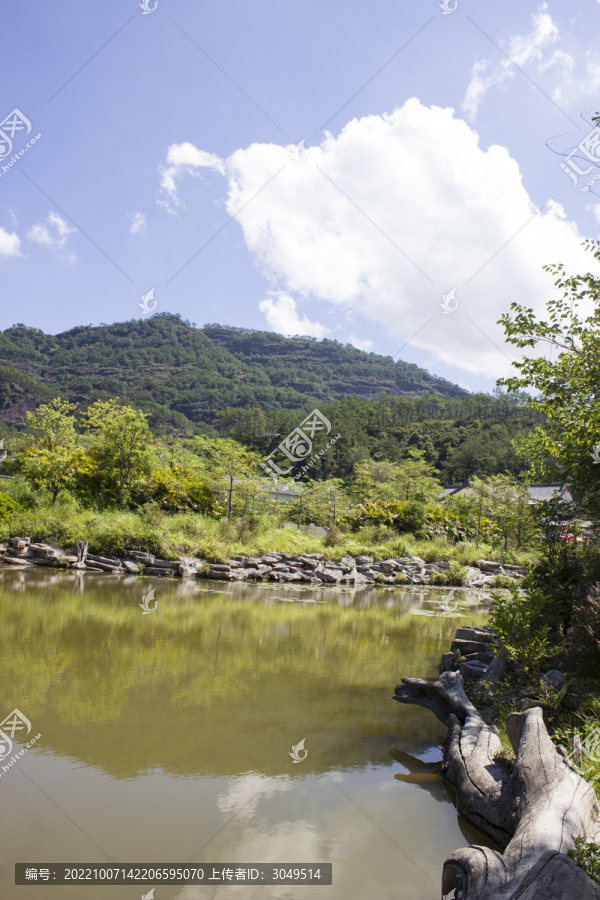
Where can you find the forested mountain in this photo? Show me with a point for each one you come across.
(185, 376)
(257, 386)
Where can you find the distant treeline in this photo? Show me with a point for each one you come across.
(461, 436)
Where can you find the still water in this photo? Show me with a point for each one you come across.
(166, 737)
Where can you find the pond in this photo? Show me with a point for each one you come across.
(167, 736)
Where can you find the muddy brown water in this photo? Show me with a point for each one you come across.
(166, 737)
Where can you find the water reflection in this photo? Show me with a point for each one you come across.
(166, 737)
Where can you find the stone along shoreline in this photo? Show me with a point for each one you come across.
(310, 568)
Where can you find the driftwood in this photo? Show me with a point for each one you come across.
(532, 814)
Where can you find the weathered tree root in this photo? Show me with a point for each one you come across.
(533, 813)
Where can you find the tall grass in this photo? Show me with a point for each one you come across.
(113, 531)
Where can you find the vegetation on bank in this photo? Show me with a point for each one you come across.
(192, 534)
(552, 621)
(100, 475)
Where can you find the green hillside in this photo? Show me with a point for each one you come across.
(185, 376)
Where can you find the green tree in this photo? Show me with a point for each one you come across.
(120, 451)
(233, 461)
(506, 502)
(566, 444)
(416, 479)
(320, 502)
(412, 478)
(52, 455)
(373, 480)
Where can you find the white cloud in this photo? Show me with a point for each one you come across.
(184, 159)
(522, 50)
(138, 223)
(381, 221)
(362, 343)
(581, 82)
(563, 75)
(10, 243)
(282, 315)
(246, 791)
(52, 233)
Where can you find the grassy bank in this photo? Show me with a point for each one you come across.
(114, 531)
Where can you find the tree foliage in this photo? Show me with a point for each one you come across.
(52, 455)
(567, 444)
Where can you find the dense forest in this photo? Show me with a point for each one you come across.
(255, 386)
(184, 376)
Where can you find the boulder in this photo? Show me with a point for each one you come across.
(140, 556)
(331, 576)
(188, 566)
(472, 670)
(164, 563)
(554, 679)
(466, 647)
(472, 633)
(448, 662)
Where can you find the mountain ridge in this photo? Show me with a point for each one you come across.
(184, 375)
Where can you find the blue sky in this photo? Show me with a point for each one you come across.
(170, 158)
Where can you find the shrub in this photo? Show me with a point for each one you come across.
(399, 515)
(587, 857)
(401, 578)
(583, 639)
(333, 536)
(516, 621)
(454, 576)
(244, 531)
(412, 517)
(502, 581)
(505, 758)
(561, 580)
(7, 505)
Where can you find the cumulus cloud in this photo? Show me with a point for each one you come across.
(51, 233)
(537, 51)
(282, 315)
(10, 243)
(138, 223)
(184, 159)
(381, 221)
